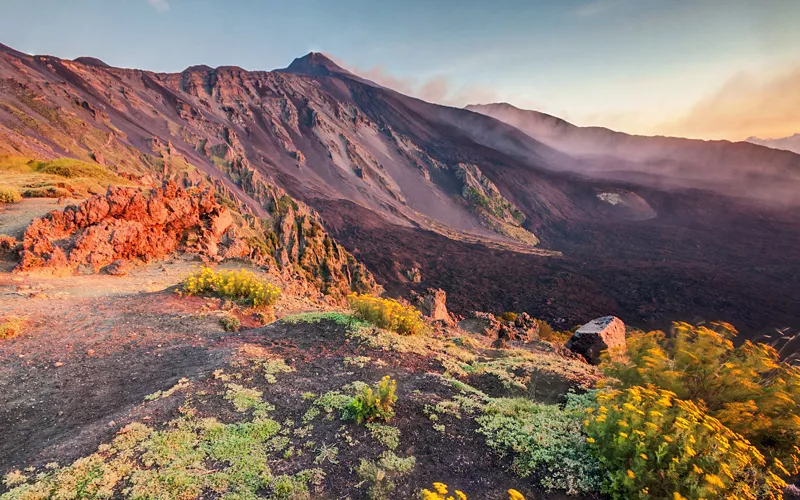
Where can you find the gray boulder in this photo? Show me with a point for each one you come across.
(596, 336)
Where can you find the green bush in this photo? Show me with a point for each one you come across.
(70, 168)
(545, 440)
(653, 445)
(230, 323)
(9, 195)
(373, 403)
(747, 388)
(45, 192)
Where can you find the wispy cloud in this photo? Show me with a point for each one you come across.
(746, 105)
(159, 5)
(595, 7)
(438, 89)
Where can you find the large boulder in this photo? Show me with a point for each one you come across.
(126, 224)
(434, 305)
(597, 336)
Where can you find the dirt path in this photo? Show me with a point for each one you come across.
(93, 347)
(15, 217)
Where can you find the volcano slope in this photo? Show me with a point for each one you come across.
(492, 215)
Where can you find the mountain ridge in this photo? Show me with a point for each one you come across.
(498, 218)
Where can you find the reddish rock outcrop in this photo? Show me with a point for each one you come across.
(434, 305)
(126, 224)
(596, 336)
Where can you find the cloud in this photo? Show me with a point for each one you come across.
(746, 105)
(595, 7)
(159, 5)
(437, 89)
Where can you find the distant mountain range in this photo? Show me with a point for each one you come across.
(505, 209)
(731, 168)
(791, 143)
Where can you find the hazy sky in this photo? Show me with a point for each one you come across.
(698, 68)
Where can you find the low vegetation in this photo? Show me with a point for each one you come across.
(32, 178)
(545, 440)
(9, 195)
(242, 286)
(374, 403)
(11, 327)
(653, 445)
(747, 388)
(388, 314)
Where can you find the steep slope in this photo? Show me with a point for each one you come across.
(407, 184)
(738, 169)
(791, 143)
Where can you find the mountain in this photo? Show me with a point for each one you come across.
(737, 169)
(499, 217)
(791, 143)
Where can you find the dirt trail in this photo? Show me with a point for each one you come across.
(15, 217)
(93, 347)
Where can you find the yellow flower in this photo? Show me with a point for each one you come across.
(515, 495)
(696, 469)
(590, 440)
(440, 488)
(631, 474)
(460, 495)
(623, 435)
(643, 456)
(714, 480)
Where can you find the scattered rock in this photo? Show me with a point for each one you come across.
(792, 492)
(119, 267)
(481, 322)
(596, 336)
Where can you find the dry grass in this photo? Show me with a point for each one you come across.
(11, 327)
(31, 178)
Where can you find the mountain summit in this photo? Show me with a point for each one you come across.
(315, 64)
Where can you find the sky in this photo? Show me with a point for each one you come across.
(711, 69)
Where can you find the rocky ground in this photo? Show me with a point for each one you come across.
(95, 347)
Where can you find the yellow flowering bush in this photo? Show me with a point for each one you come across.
(374, 403)
(9, 195)
(654, 445)
(747, 388)
(387, 313)
(440, 493)
(243, 286)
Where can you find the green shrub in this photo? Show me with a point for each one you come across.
(746, 388)
(45, 192)
(387, 313)
(381, 475)
(230, 323)
(242, 286)
(653, 445)
(373, 403)
(546, 440)
(70, 168)
(9, 195)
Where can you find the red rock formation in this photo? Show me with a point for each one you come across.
(126, 224)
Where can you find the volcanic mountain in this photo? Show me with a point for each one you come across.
(791, 143)
(566, 225)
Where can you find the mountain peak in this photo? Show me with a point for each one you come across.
(315, 64)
